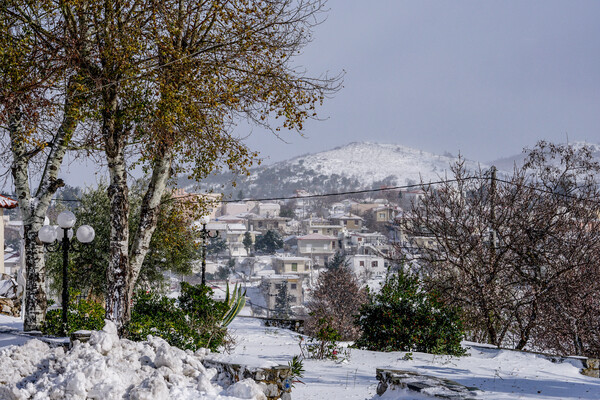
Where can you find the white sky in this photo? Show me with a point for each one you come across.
(485, 78)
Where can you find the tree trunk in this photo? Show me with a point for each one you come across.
(33, 209)
(149, 215)
(118, 273)
(35, 287)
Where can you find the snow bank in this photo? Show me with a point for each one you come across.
(110, 368)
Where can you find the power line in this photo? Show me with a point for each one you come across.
(311, 196)
(363, 191)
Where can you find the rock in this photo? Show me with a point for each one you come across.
(9, 287)
(10, 307)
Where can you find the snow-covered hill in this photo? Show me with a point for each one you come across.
(508, 163)
(354, 166)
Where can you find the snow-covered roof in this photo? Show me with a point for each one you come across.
(229, 217)
(316, 236)
(343, 217)
(280, 277)
(6, 202)
(291, 258)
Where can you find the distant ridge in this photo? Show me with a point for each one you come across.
(508, 163)
(357, 165)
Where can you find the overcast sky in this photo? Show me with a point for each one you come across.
(485, 78)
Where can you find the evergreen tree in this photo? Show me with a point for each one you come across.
(247, 242)
(337, 261)
(216, 245)
(404, 317)
(283, 308)
(269, 243)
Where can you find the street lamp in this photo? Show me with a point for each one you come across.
(48, 235)
(204, 234)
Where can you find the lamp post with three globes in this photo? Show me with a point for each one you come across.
(49, 235)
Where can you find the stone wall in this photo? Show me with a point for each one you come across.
(391, 379)
(296, 325)
(276, 381)
(588, 366)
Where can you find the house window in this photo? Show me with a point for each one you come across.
(315, 231)
(333, 244)
(260, 224)
(374, 264)
(361, 263)
(294, 268)
(382, 215)
(293, 286)
(345, 222)
(359, 239)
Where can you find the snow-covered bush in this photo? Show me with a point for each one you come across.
(402, 317)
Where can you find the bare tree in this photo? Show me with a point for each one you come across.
(337, 297)
(505, 248)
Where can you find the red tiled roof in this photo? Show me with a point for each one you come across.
(6, 202)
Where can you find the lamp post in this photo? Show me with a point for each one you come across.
(205, 234)
(48, 235)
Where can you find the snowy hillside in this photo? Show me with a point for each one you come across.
(507, 163)
(353, 166)
(372, 163)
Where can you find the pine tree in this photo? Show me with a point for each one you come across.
(283, 307)
(247, 242)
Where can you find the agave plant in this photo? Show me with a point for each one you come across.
(235, 301)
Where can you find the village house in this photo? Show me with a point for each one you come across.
(266, 209)
(291, 265)
(367, 243)
(212, 201)
(350, 221)
(271, 284)
(263, 224)
(319, 248)
(385, 213)
(323, 228)
(362, 208)
(367, 265)
(237, 208)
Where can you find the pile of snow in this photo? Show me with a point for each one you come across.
(111, 368)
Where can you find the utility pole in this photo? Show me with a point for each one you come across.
(493, 212)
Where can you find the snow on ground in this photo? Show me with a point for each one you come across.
(108, 368)
(9, 331)
(501, 374)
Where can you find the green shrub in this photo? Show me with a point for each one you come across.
(401, 317)
(195, 322)
(82, 315)
(324, 345)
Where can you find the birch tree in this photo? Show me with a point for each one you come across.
(39, 115)
(165, 84)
